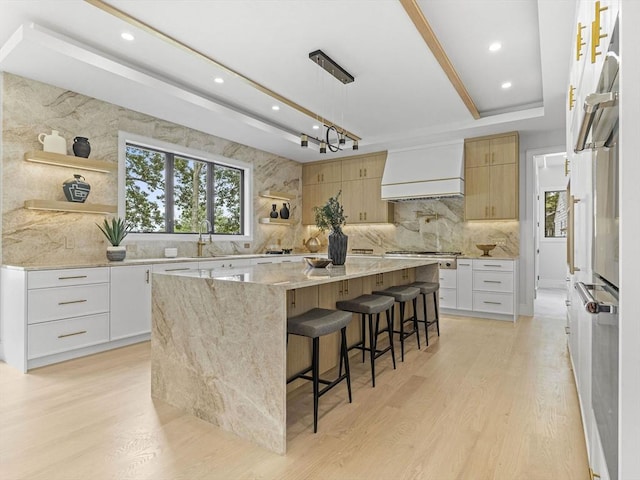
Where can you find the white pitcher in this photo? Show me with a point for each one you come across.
(53, 143)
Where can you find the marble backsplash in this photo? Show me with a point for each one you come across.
(431, 225)
(59, 238)
(37, 237)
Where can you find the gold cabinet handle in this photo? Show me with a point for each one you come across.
(365, 172)
(593, 474)
(566, 167)
(148, 275)
(579, 42)
(492, 281)
(177, 269)
(360, 215)
(493, 211)
(365, 216)
(595, 31)
(72, 277)
(572, 101)
(72, 334)
(486, 212)
(346, 287)
(71, 301)
(360, 173)
(493, 157)
(293, 298)
(492, 303)
(486, 158)
(323, 177)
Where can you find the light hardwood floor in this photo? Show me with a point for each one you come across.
(487, 400)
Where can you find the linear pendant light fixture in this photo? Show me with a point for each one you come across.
(327, 63)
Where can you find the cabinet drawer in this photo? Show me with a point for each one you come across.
(448, 297)
(502, 265)
(55, 303)
(66, 277)
(448, 279)
(62, 335)
(174, 267)
(493, 302)
(493, 281)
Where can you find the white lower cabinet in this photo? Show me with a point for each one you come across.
(60, 336)
(130, 304)
(465, 284)
(481, 288)
(448, 288)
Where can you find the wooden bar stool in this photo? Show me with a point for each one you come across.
(314, 324)
(370, 305)
(427, 288)
(402, 294)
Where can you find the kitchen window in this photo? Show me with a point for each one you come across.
(169, 189)
(555, 214)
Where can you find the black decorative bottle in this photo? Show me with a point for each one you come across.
(284, 211)
(274, 211)
(76, 189)
(81, 147)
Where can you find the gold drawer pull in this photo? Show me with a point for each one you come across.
(493, 303)
(72, 334)
(492, 281)
(71, 301)
(72, 277)
(177, 269)
(492, 265)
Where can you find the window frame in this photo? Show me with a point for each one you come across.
(542, 213)
(247, 212)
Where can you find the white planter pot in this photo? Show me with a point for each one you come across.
(116, 254)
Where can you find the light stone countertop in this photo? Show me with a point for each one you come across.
(296, 275)
(491, 257)
(147, 261)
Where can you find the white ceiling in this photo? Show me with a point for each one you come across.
(400, 96)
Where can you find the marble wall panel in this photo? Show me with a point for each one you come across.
(33, 237)
(431, 225)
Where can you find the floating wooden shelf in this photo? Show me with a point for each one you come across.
(275, 194)
(69, 206)
(275, 221)
(60, 160)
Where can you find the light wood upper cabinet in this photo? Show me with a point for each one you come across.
(364, 166)
(324, 172)
(360, 184)
(316, 195)
(491, 177)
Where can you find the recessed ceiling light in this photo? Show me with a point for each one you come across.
(506, 85)
(218, 80)
(316, 127)
(495, 46)
(275, 107)
(127, 36)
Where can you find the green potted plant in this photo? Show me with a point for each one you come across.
(115, 231)
(331, 216)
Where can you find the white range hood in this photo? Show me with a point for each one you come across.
(430, 171)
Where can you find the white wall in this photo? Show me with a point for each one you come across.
(552, 256)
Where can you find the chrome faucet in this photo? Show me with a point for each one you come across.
(201, 243)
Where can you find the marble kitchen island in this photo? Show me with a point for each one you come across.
(218, 341)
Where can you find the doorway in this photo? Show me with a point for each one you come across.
(550, 213)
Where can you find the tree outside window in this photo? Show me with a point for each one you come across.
(555, 214)
(171, 193)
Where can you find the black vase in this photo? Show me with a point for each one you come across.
(338, 247)
(274, 211)
(81, 147)
(284, 211)
(76, 189)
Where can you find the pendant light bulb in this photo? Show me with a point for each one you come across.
(323, 147)
(355, 145)
(341, 139)
(304, 141)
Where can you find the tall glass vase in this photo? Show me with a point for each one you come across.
(338, 247)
